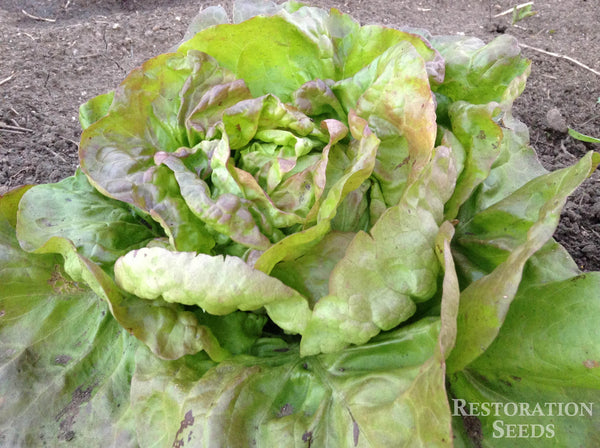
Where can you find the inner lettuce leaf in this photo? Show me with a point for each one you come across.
(219, 285)
(294, 230)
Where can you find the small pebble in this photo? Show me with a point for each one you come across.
(556, 121)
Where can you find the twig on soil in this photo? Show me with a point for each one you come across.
(561, 56)
(9, 131)
(55, 154)
(509, 11)
(8, 127)
(43, 19)
(5, 80)
(564, 150)
(92, 55)
(69, 140)
(587, 121)
(595, 233)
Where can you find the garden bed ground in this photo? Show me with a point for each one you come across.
(56, 54)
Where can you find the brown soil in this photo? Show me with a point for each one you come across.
(49, 67)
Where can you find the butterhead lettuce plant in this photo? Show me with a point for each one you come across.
(297, 231)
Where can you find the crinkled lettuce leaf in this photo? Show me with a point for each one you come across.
(218, 285)
(480, 73)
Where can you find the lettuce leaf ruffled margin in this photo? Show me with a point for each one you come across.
(294, 230)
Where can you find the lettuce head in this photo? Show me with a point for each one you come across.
(294, 230)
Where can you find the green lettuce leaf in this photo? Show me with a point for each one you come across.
(219, 285)
(479, 137)
(312, 44)
(373, 289)
(169, 331)
(365, 396)
(481, 73)
(94, 109)
(544, 360)
(267, 65)
(310, 273)
(394, 96)
(65, 363)
(101, 228)
(512, 231)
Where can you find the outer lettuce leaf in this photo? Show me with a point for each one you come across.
(65, 363)
(311, 44)
(531, 214)
(169, 331)
(101, 228)
(546, 352)
(268, 65)
(364, 44)
(365, 397)
(516, 164)
(94, 109)
(487, 239)
(479, 136)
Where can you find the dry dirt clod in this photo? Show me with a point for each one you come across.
(556, 121)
